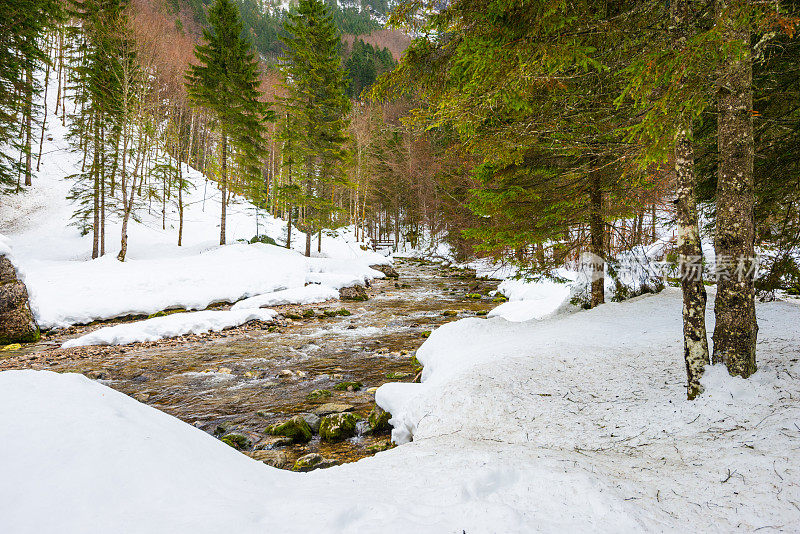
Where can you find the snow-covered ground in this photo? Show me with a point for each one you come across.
(574, 423)
(67, 287)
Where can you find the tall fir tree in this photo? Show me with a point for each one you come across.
(318, 105)
(226, 82)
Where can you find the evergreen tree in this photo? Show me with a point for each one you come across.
(22, 26)
(225, 81)
(318, 105)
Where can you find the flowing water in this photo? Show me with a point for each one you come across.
(245, 379)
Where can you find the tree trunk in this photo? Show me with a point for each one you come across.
(597, 238)
(695, 341)
(224, 195)
(28, 126)
(289, 229)
(736, 328)
(96, 196)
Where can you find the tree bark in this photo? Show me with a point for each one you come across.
(695, 339)
(597, 238)
(224, 195)
(736, 328)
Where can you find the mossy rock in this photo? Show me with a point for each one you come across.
(267, 240)
(397, 375)
(292, 316)
(378, 419)
(307, 314)
(295, 428)
(330, 313)
(319, 394)
(425, 334)
(481, 313)
(449, 313)
(237, 441)
(348, 386)
(343, 312)
(161, 313)
(12, 346)
(338, 426)
(500, 298)
(476, 296)
(312, 461)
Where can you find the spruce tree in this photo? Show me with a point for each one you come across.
(318, 105)
(225, 81)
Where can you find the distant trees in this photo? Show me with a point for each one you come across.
(225, 81)
(23, 49)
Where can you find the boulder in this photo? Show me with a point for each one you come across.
(272, 442)
(319, 394)
(17, 324)
(388, 270)
(312, 461)
(272, 458)
(356, 292)
(338, 426)
(237, 441)
(313, 421)
(378, 419)
(295, 428)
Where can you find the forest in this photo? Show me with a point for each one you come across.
(502, 174)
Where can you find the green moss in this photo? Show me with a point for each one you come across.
(338, 426)
(348, 386)
(397, 375)
(161, 313)
(319, 394)
(343, 312)
(330, 313)
(292, 316)
(449, 313)
(237, 441)
(474, 296)
(378, 419)
(500, 298)
(425, 334)
(307, 314)
(295, 428)
(481, 312)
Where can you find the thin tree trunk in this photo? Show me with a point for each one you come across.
(224, 194)
(597, 231)
(28, 126)
(96, 199)
(736, 328)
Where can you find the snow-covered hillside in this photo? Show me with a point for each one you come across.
(67, 287)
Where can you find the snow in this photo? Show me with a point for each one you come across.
(173, 325)
(528, 301)
(309, 294)
(67, 287)
(577, 422)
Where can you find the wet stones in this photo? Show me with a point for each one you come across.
(296, 428)
(272, 458)
(319, 394)
(339, 426)
(348, 386)
(272, 442)
(355, 293)
(312, 461)
(378, 419)
(332, 407)
(17, 324)
(313, 421)
(387, 270)
(237, 441)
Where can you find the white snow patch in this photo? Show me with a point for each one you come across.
(309, 294)
(173, 325)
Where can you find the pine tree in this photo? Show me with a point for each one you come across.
(317, 103)
(225, 81)
(22, 27)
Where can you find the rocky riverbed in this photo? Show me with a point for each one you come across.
(297, 393)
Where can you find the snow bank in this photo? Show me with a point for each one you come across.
(531, 300)
(309, 294)
(80, 458)
(606, 386)
(173, 325)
